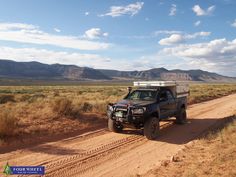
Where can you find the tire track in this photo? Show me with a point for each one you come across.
(83, 161)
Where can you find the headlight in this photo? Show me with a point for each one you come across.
(139, 110)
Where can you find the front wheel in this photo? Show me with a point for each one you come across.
(181, 118)
(114, 126)
(151, 128)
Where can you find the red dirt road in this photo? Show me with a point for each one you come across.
(103, 153)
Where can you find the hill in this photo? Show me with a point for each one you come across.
(36, 70)
(39, 71)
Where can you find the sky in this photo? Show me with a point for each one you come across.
(122, 35)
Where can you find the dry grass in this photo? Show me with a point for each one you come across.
(59, 109)
(62, 106)
(212, 156)
(204, 92)
(8, 123)
(6, 98)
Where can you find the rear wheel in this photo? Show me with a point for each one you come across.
(181, 118)
(114, 126)
(151, 128)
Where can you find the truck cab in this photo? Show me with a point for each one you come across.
(148, 104)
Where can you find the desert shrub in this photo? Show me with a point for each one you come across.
(86, 107)
(100, 107)
(62, 106)
(24, 98)
(6, 98)
(8, 123)
(56, 93)
(37, 96)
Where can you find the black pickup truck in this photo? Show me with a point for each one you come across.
(145, 107)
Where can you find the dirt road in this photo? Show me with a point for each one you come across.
(103, 153)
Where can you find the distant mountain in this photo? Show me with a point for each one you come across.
(38, 71)
(164, 74)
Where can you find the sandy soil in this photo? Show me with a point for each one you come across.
(103, 153)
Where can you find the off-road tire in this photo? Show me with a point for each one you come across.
(181, 118)
(114, 127)
(151, 128)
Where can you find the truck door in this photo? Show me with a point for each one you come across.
(171, 103)
(163, 104)
(167, 104)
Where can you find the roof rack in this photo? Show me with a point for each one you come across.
(155, 83)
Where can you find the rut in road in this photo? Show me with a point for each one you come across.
(84, 161)
(87, 160)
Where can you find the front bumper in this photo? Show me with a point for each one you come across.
(125, 115)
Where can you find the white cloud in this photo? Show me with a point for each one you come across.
(156, 33)
(105, 34)
(214, 50)
(51, 57)
(15, 26)
(62, 57)
(197, 23)
(218, 55)
(181, 38)
(201, 12)
(173, 10)
(131, 9)
(198, 34)
(173, 39)
(25, 33)
(86, 13)
(95, 33)
(234, 23)
(57, 30)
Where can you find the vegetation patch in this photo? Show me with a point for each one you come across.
(6, 98)
(8, 123)
(52, 110)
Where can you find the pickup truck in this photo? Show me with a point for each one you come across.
(148, 104)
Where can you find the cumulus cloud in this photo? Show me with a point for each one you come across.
(214, 50)
(181, 38)
(220, 54)
(86, 13)
(131, 9)
(27, 33)
(173, 10)
(95, 33)
(173, 39)
(234, 23)
(201, 12)
(197, 23)
(51, 57)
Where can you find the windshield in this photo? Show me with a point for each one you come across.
(142, 95)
